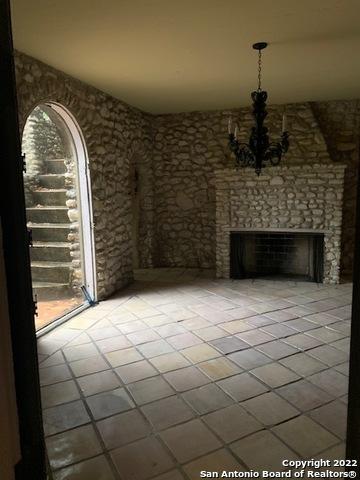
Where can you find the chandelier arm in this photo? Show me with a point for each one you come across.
(273, 154)
(244, 154)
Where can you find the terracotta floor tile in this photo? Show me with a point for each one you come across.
(134, 372)
(270, 409)
(90, 365)
(184, 340)
(63, 417)
(55, 374)
(218, 461)
(98, 382)
(153, 349)
(303, 364)
(149, 390)
(94, 469)
(270, 451)
(200, 353)
(274, 374)
(304, 395)
(122, 429)
(229, 344)
(310, 437)
(210, 333)
(167, 412)
(123, 357)
(243, 386)
(332, 416)
(80, 351)
(59, 393)
(277, 349)
(207, 398)
(109, 403)
(329, 355)
(114, 343)
(142, 459)
(249, 359)
(232, 423)
(186, 378)
(170, 361)
(331, 381)
(72, 446)
(190, 440)
(219, 368)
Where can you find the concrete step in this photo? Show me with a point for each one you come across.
(49, 232)
(50, 251)
(54, 272)
(47, 214)
(55, 166)
(49, 197)
(52, 180)
(47, 291)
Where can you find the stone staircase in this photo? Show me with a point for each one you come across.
(49, 222)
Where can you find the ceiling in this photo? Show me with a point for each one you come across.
(182, 55)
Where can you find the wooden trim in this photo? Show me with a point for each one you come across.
(17, 267)
(353, 422)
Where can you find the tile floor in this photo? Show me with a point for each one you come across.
(181, 372)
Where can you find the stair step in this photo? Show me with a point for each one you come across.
(49, 232)
(55, 166)
(52, 180)
(47, 214)
(50, 271)
(50, 251)
(47, 291)
(49, 197)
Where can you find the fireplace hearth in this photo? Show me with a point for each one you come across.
(285, 254)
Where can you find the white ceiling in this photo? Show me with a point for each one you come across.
(182, 55)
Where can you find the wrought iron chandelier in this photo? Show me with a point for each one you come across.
(259, 151)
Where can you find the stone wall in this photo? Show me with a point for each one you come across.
(293, 198)
(188, 148)
(115, 134)
(340, 124)
(175, 157)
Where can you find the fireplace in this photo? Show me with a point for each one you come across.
(286, 254)
(302, 201)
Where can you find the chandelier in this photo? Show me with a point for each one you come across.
(259, 151)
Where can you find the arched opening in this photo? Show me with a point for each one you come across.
(58, 206)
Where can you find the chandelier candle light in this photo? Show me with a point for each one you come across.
(259, 151)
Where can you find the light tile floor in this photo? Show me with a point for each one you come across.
(181, 372)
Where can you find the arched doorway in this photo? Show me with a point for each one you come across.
(59, 214)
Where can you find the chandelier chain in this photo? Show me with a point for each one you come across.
(259, 71)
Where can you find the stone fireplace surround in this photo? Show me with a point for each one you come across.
(299, 198)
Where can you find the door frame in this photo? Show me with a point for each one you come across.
(32, 465)
(84, 197)
(84, 201)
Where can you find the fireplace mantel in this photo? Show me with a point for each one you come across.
(282, 199)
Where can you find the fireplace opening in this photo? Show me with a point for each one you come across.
(268, 254)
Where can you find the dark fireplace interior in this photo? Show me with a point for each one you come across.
(267, 254)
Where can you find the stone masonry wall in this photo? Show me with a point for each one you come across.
(175, 157)
(188, 148)
(114, 134)
(294, 198)
(340, 124)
